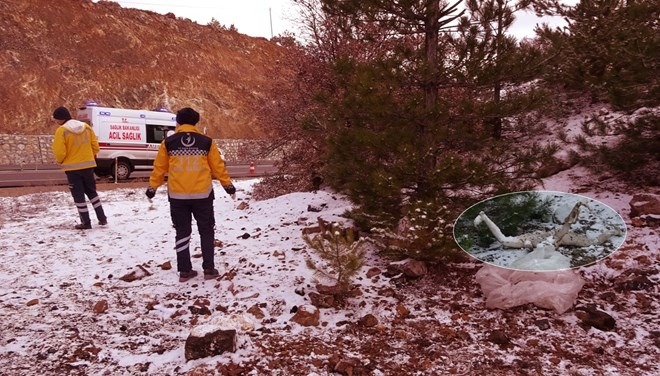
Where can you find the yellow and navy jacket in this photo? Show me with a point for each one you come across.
(191, 160)
(75, 146)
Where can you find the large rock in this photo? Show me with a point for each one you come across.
(410, 268)
(644, 204)
(592, 317)
(307, 315)
(209, 340)
(322, 301)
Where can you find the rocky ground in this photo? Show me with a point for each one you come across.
(434, 324)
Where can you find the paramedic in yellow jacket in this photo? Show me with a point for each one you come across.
(191, 160)
(75, 147)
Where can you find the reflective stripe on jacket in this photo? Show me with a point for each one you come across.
(75, 146)
(191, 160)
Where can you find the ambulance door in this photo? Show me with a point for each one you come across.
(123, 145)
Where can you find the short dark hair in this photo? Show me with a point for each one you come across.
(61, 113)
(187, 116)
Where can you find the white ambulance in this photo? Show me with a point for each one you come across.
(128, 139)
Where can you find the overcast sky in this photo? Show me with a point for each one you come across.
(250, 17)
(266, 18)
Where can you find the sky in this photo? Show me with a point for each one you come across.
(257, 18)
(53, 279)
(266, 18)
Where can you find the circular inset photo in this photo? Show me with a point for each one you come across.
(539, 231)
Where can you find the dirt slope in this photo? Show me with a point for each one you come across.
(66, 52)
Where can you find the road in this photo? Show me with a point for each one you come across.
(52, 176)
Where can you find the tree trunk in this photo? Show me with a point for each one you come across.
(431, 30)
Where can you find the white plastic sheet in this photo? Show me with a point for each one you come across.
(506, 288)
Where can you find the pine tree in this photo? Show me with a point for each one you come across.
(610, 49)
(341, 249)
(394, 116)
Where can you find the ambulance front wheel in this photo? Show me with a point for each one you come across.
(123, 170)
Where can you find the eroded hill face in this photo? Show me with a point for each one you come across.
(67, 52)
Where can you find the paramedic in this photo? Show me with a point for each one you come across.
(191, 160)
(75, 147)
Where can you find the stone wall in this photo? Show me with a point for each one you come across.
(32, 151)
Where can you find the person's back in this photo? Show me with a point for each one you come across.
(191, 160)
(75, 147)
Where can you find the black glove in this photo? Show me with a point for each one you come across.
(230, 189)
(150, 193)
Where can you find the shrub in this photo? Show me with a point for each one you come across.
(341, 249)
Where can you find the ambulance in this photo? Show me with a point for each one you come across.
(128, 139)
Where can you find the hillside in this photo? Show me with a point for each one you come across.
(70, 51)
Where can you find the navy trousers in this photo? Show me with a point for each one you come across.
(182, 212)
(81, 184)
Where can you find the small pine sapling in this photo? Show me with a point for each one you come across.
(341, 249)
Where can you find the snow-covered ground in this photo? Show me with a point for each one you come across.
(53, 275)
(108, 302)
(53, 279)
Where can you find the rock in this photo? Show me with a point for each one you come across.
(409, 268)
(256, 312)
(321, 300)
(499, 337)
(542, 324)
(633, 281)
(414, 269)
(311, 230)
(608, 296)
(166, 265)
(100, 307)
(315, 209)
(329, 289)
(199, 310)
(651, 220)
(373, 272)
(208, 340)
(401, 311)
(138, 273)
(242, 206)
(368, 321)
(307, 315)
(32, 302)
(349, 367)
(345, 367)
(637, 222)
(644, 204)
(592, 317)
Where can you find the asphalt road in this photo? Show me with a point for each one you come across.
(53, 176)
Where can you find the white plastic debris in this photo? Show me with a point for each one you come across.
(506, 288)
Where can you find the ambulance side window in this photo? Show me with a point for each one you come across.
(156, 133)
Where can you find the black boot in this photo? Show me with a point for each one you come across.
(98, 208)
(86, 222)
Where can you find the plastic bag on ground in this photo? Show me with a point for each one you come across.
(506, 288)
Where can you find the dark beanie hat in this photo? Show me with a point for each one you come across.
(187, 116)
(61, 113)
